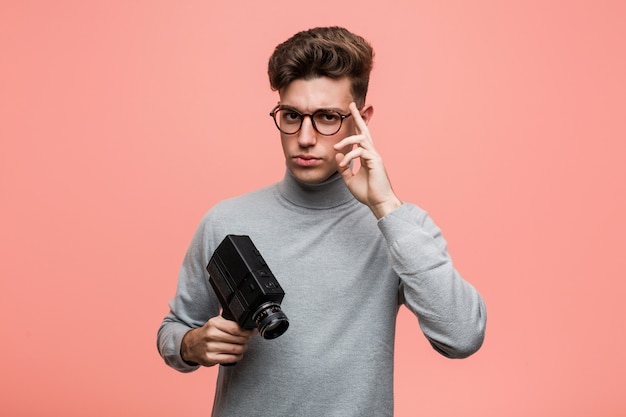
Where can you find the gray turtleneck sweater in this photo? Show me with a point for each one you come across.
(345, 274)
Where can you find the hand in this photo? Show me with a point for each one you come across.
(218, 341)
(370, 183)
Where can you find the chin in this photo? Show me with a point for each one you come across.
(310, 176)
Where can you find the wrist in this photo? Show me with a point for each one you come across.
(380, 210)
(186, 353)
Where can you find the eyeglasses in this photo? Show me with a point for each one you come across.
(325, 122)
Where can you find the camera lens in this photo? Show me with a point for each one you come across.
(271, 321)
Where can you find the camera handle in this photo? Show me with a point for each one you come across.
(226, 314)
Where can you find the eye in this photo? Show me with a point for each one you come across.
(327, 117)
(289, 116)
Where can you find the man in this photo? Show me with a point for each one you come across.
(347, 251)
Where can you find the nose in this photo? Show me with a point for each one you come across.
(307, 136)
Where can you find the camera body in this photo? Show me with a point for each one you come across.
(246, 288)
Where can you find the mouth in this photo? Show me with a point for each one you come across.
(306, 160)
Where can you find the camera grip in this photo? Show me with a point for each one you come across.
(226, 315)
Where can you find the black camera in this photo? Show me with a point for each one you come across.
(246, 288)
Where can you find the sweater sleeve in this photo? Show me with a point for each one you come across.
(193, 304)
(450, 311)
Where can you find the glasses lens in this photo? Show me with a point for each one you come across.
(327, 122)
(288, 121)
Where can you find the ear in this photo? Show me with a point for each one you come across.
(367, 112)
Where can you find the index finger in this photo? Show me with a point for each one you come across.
(232, 327)
(361, 126)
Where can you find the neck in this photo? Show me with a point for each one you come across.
(327, 194)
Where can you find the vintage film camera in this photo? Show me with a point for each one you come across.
(246, 288)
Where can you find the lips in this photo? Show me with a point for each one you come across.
(306, 160)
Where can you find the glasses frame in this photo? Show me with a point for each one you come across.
(310, 115)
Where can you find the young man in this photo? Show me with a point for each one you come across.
(347, 251)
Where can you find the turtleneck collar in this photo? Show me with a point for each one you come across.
(330, 193)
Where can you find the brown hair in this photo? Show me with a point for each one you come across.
(323, 52)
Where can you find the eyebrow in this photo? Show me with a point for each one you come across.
(327, 109)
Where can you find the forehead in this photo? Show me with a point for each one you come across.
(322, 92)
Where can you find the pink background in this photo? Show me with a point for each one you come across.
(122, 122)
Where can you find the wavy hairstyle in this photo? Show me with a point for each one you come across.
(332, 52)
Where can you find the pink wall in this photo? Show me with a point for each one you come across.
(121, 122)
